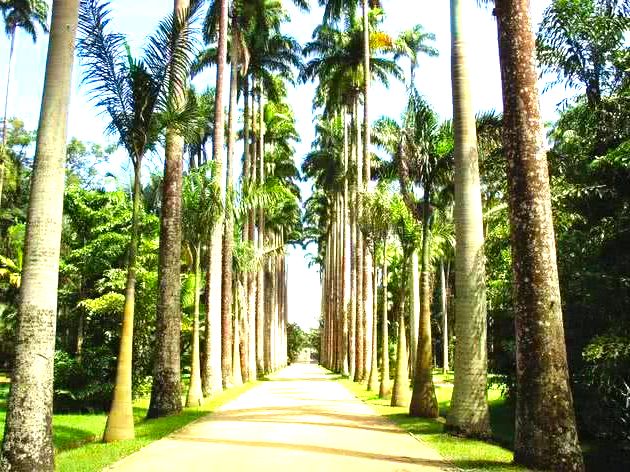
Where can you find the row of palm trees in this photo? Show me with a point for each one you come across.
(345, 217)
(233, 232)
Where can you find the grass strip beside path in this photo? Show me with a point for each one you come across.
(466, 454)
(77, 437)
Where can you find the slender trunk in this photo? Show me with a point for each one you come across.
(414, 301)
(423, 399)
(469, 414)
(346, 261)
(195, 395)
(214, 372)
(352, 322)
(228, 228)
(120, 419)
(546, 434)
(236, 374)
(260, 294)
(385, 387)
(27, 443)
(373, 378)
(400, 392)
(5, 118)
(443, 304)
(359, 372)
(250, 315)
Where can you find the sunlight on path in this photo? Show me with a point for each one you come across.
(301, 421)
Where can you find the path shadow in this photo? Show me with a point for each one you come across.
(315, 449)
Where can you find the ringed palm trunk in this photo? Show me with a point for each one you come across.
(250, 276)
(367, 256)
(423, 400)
(414, 300)
(213, 380)
(373, 377)
(195, 395)
(228, 229)
(445, 337)
(359, 372)
(260, 293)
(545, 434)
(469, 415)
(119, 424)
(400, 391)
(352, 262)
(27, 443)
(346, 261)
(385, 387)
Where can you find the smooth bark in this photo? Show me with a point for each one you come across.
(469, 414)
(27, 443)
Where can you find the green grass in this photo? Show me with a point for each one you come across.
(466, 454)
(77, 437)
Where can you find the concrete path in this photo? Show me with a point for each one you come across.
(301, 421)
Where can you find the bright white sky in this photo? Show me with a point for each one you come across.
(137, 19)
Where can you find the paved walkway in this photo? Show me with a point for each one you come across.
(302, 421)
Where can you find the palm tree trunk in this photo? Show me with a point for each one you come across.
(346, 260)
(469, 414)
(120, 419)
(260, 294)
(359, 372)
(228, 229)
(250, 316)
(213, 379)
(546, 435)
(414, 299)
(195, 395)
(236, 374)
(167, 387)
(385, 387)
(400, 392)
(27, 443)
(5, 118)
(423, 399)
(373, 377)
(443, 304)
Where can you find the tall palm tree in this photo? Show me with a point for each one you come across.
(469, 414)
(540, 442)
(166, 390)
(25, 15)
(134, 93)
(410, 44)
(27, 443)
(201, 205)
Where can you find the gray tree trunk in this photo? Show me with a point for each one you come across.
(27, 444)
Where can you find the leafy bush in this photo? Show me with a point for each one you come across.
(86, 385)
(604, 392)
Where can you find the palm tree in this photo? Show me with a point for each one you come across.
(134, 93)
(469, 414)
(540, 442)
(25, 15)
(201, 205)
(27, 443)
(408, 233)
(166, 390)
(410, 44)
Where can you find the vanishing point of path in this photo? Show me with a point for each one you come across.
(300, 421)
